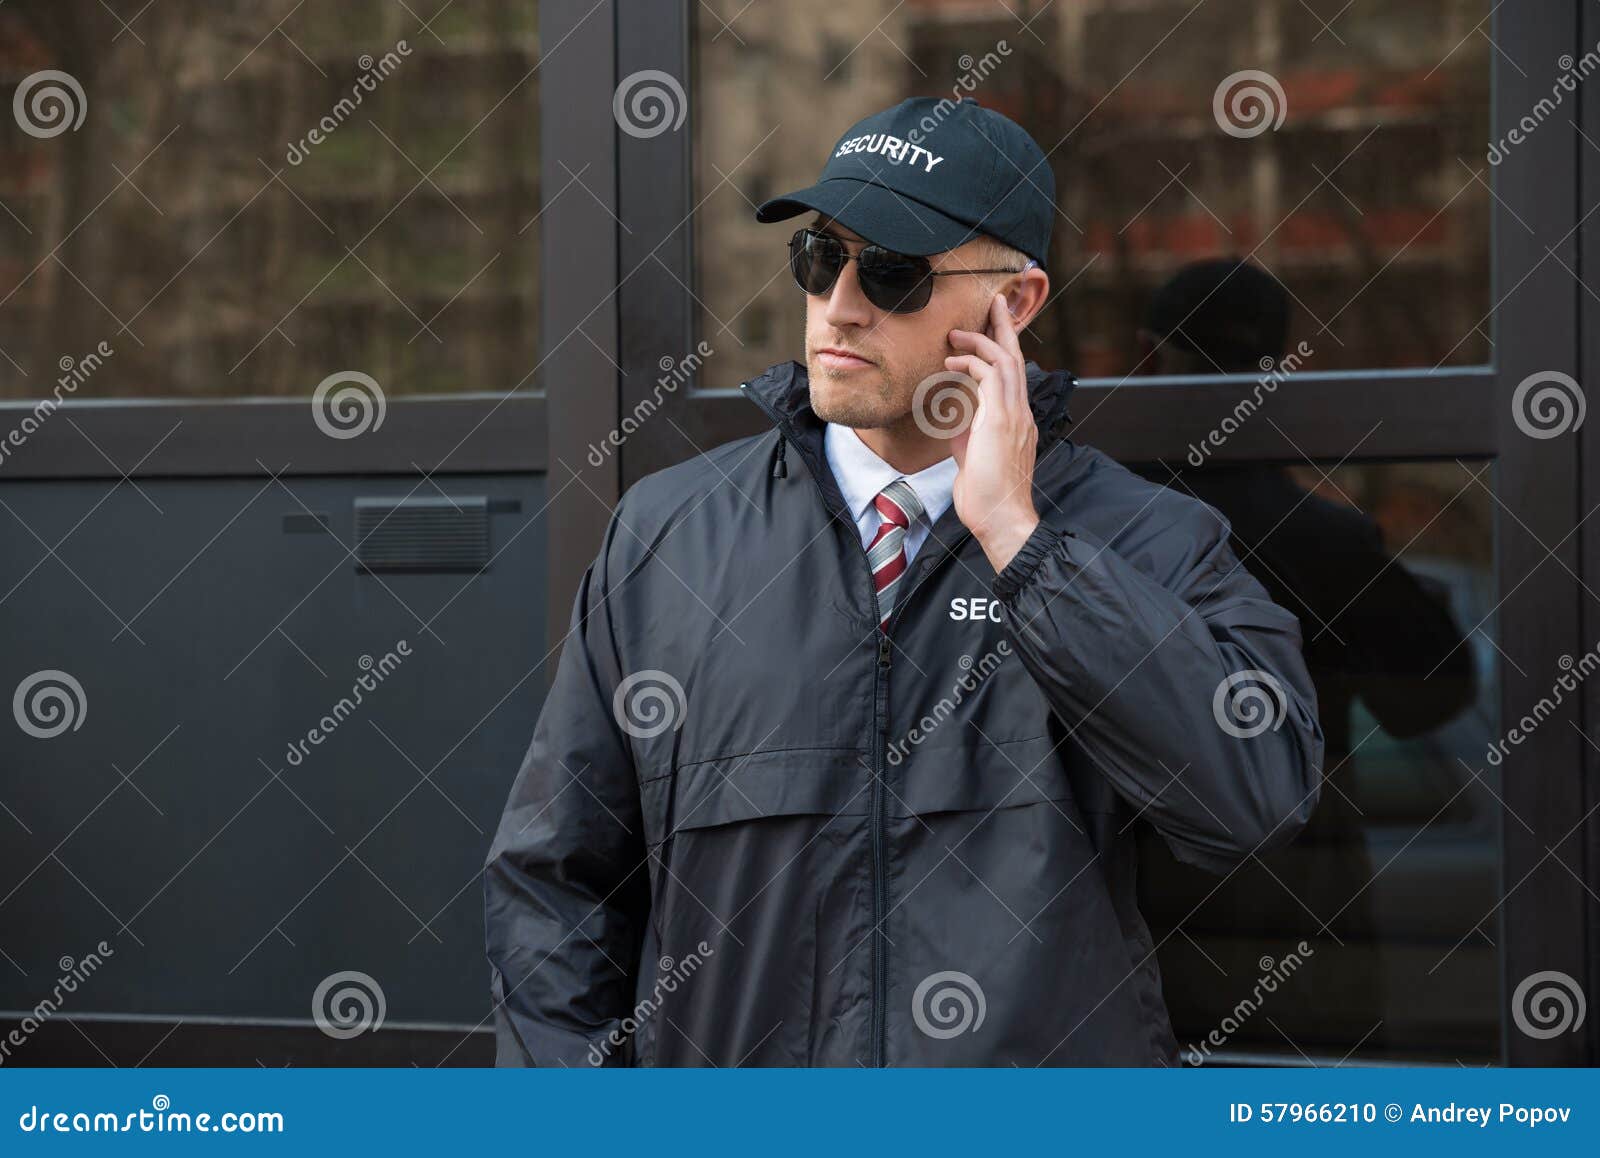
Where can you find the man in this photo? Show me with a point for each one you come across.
(842, 758)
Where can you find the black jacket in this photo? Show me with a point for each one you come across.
(752, 829)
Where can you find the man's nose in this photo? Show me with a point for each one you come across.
(847, 305)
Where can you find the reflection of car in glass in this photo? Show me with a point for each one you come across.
(1392, 885)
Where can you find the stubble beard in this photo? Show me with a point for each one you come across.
(883, 402)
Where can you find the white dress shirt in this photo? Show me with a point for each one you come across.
(862, 475)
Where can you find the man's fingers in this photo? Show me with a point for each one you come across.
(1005, 336)
(980, 344)
(1005, 327)
(992, 360)
(1003, 350)
(992, 378)
(985, 374)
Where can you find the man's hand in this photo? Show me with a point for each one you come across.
(995, 455)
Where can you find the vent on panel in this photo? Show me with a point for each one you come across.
(422, 534)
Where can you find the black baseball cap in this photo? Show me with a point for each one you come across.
(930, 174)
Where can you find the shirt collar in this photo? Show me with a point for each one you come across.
(862, 475)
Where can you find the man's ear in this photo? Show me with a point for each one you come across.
(1027, 294)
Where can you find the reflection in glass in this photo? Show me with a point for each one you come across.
(1362, 203)
(1393, 886)
(258, 198)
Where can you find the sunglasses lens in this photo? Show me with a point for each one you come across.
(815, 261)
(890, 281)
(893, 282)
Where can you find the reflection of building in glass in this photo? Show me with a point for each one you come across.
(775, 90)
(1361, 181)
(1391, 251)
(361, 254)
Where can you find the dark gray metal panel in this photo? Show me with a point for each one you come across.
(191, 820)
(1542, 923)
(1589, 497)
(1450, 414)
(126, 1042)
(1365, 416)
(578, 247)
(657, 201)
(196, 439)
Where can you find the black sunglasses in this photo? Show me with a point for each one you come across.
(891, 281)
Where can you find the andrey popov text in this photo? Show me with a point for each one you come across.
(1449, 1114)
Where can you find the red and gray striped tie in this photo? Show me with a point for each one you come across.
(899, 505)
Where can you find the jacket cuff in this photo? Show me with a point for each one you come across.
(1016, 574)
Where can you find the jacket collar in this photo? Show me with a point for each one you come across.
(784, 395)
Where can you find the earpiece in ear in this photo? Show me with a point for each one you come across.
(1011, 309)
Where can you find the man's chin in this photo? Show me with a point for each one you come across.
(864, 399)
(849, 400)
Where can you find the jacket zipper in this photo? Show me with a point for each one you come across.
(879, 809)
(880, 883)
(880, 701)
(880, 822)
